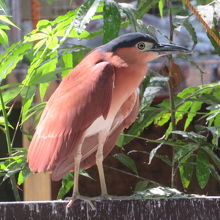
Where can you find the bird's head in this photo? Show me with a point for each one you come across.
(141, 47)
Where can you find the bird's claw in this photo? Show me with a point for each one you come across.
(78, 196)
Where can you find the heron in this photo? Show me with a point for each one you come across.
(92, 105)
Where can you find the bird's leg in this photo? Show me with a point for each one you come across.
(77, 160)
(76, 195)
(99, 163)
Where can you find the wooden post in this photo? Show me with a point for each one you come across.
(182, 208)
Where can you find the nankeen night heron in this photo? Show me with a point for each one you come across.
(92, 105)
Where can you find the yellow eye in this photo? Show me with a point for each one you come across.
(141, 45)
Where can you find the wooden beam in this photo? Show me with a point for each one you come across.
(37, 187)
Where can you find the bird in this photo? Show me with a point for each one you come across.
(91, 106)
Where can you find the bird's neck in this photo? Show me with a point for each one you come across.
(127, 80)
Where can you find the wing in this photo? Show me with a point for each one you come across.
(84, 95)
(124, 118)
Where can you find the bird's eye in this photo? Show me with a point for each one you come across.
(141, 45)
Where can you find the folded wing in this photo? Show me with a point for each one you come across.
(84, 95)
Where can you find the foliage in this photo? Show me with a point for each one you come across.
(51, 57)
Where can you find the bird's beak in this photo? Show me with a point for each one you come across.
(166, 49)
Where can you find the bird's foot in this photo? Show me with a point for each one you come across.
(90, 199)
(78, 196)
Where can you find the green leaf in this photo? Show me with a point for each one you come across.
(2, 122)
(39, 44)
(5, 19)
(43, 89)
(214, 43)
(158, 191)
(11, 57)
(187, 92)
(67, 62)
(191, 30)
(36, 37)
(46, 77)
(202, 169)
(150, 87)
(112, 21)
(43, 24)
(52, 42)
(144, 7)
(45, 72)
(120, 140)
(162, 119)
(217, 125)
(3, 37)
(191, 135)
(67, 184)
(186, 171)
(143, 121)
(215, 173)
(85, 14)
(10, 94)
(161, 6)
(182, 110)
(28, 96)
(129, 11)
(195, 107)
(127, 161)
(20, 178)
(4, 27)
(85, 174)
(185, 151)
(163, 158)
(212, 155)
(34, 110)
(141, 186)
(168, 131)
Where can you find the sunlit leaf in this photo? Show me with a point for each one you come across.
(191, 135)
(195, 107)
(84, 14)
(112, 21)
(28, 96)
(157, 191)
(10, 94)
(3, 37)
(67, 62)
(161, 6)
(153, 152)
(5, 19)
(11, 57)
